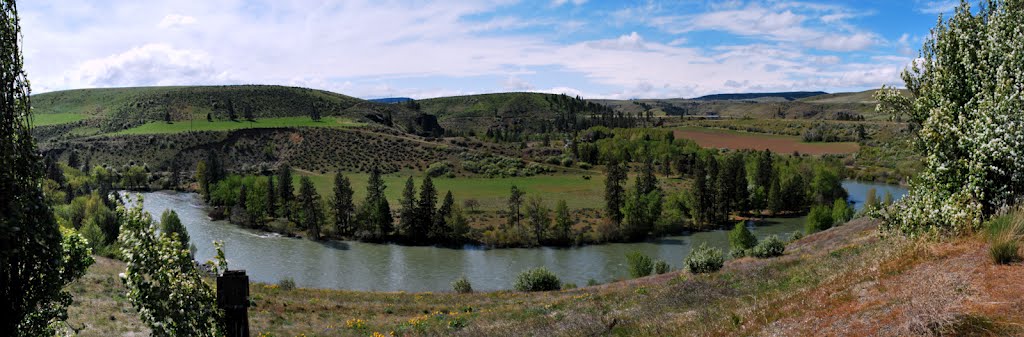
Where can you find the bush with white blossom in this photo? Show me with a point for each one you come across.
(966, 108)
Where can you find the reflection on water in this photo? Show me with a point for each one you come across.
(270, 257)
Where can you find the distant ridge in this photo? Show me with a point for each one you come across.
(789, 96)
(390, 100)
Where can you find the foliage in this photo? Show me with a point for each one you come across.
(704, 259)
(614, 193)
(841, 212)
(640, 265)
(286, 283)
(964, 110)
(375, 212)
(462, 286)
(171, 223)
(1005, 234)
(771, 246)
(537, 279)
(819, 219)
(661, 267)
(36, 259)
(311, 212)
(740, 238)
(162, 280)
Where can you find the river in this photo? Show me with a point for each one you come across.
(388, 267)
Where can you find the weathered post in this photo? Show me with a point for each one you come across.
(233, 298)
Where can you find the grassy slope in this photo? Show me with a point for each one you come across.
(841, 281)
(227, 125)
(56, 118)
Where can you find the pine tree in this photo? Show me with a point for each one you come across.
(285, 190)
(614, 193)
(515, 202)
(407, 214)
(442, 231)
(376, 210)
(231, 111)
(312, 215)
(425, 210)
(271, 197)
(342, 205)
(775, 202)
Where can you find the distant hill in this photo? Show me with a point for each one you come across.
(390, 100)
(114, 109)
(788, 96)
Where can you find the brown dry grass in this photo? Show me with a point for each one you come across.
(727, 139)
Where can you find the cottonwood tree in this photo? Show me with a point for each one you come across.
(36, 259)
(964, 106)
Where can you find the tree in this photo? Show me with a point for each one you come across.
(271, 197)
(515, 202)
(285, 190)
(841, 212)
(36, 259)
(640, 265)
(231, 111)
(563, 224)
(871, 199)
(964, 107)
(171, 223)
(73, 160)
(376, 212)
(539, 218)
(203, 179)
(174, 176)
(740, 238)
(256, 202)
(314, 112)
(247, 113)
(458, 225)
(162, 281)
(614, 193)
(775, 202)
(426, 208)
(342, 205)
(441, 230)
(407, 214)
(311, 215)
(819, 219)
(471, 205)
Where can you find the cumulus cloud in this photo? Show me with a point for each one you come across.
(151, 64)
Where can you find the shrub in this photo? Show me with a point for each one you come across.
(286, 283)
(797, 235)
(841, 212)
(438, 169)
(640, 265)
(537, 279)
(569, 285)
(660, 267)
(462, 286)
(1005, 251)
(592, 282)
(772, 246)
(740, 238)
(819, 219)
(704, 259)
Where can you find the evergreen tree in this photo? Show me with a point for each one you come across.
(376, 211)
(174, 177)
(231, 111)
(285, 190)
(441, 231)
(312, 214)
(871, 199)
(36, 260)
(407, 214)
(425, 210)
(171, 223)
(614, 193)
(342, 205)
(457, 224)
(271, 197)
(515, 202)
(247, 113)
(73, 160)
(775, 202)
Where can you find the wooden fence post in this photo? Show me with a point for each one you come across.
(233, 299)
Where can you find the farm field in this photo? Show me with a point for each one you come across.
(227, 125)
(492, 193)
(729, 139)
(56, 118)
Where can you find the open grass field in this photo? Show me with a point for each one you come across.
(226, 125)
(729, 139)
(492, 193)
(834, 282)
(56, 118)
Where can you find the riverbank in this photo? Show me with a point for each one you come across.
(833, 282)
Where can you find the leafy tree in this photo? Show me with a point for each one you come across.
(841, 211)
(819, 219)
(163, 282)
(964, 107)
(827, 186)
(775, 202)
(36, 259)
(171, 223)
(73, 160)
(471, 205)
(203, 179)
(247, 113)
(256, 202)
(563, 224)
(407, 214)
(232, 115)
(285, 190)
(457, 224)
(871, 200)
(614, 192)
(887, 198)
(539, 217)
(342, 205)
(640, 265)
(312, 213)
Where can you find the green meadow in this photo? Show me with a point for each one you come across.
(56, 118)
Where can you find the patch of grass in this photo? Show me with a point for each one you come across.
(56, 118)
(227, 125)
(1005, 237)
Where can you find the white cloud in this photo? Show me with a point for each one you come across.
(936, 7)
(151, 64)
(176, 20)
(558, 3)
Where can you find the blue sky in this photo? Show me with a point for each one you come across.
(597, 49)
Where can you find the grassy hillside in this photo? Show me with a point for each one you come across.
(116, 109)
(840, 281)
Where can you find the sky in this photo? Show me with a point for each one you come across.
(421, 49)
